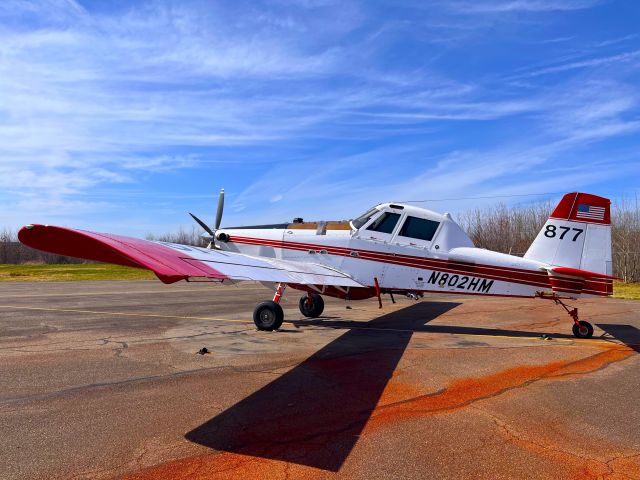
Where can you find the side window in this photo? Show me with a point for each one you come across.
(419, 228)
(385, 223)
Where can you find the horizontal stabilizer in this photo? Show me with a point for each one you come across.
(574, 272)
(573, 281)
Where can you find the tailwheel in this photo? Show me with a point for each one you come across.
(582, 329)
(311, 305)
(268, 316)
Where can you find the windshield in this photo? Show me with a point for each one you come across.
(364, 218)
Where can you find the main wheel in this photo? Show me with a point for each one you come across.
(311, 306)
(268, 316)
(585, 330)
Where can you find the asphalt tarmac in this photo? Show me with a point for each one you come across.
(102, 380)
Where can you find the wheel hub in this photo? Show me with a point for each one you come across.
(267, 317)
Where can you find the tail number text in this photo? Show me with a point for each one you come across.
(552, 231)
(462, 282)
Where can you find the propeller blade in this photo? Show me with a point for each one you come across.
(202, 224)
(220, 209)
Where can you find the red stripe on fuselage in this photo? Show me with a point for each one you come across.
(346, 251)
(507, 274)
(591, 286)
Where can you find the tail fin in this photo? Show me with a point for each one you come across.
(577, 235)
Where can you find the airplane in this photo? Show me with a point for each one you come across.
(392, 248)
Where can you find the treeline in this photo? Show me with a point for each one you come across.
(505, 229)
(14, 252)
(184, 236)
(500, 228)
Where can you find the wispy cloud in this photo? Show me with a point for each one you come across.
(493, 6)
(321, 105)
(550, 156)
(626, 57)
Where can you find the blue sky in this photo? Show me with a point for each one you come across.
(122, 116)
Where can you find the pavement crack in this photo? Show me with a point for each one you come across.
(97, 386)
(465, 392)
(590, 466)
(614, 471)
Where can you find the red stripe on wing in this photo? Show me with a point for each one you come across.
(168, 264)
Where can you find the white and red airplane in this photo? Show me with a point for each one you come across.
(392, 248)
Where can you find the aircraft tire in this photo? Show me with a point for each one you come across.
(316, 308)
(268, 316)
(585, 330)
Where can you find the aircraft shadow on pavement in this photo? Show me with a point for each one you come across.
(313, 414)
(448, 329)
(627, 334)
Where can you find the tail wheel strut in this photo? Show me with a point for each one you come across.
(581, 329)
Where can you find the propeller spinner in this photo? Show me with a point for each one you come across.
(211, 233)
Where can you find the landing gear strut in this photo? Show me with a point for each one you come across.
(311, 305)
(581, 329)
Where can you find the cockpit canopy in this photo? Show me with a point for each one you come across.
(364, 218)
(411, 226)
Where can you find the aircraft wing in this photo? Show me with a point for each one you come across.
(173, 262)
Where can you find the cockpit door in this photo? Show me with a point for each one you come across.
(417, 232)
(373, 236)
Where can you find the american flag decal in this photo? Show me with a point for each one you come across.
(589, 212)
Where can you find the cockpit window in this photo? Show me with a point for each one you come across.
(364, 218)
(419, 228)
(385, 223)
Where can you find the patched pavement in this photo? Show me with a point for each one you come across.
(102, 380)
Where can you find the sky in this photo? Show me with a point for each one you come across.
(123, 116)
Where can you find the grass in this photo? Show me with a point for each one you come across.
(105, 271)
(71, 272)
(626, 290)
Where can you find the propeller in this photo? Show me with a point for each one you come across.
(212, 232)
(220, 208)
(202, 224)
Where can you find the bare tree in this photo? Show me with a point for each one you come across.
(626, 239)
(183, 236)
(505, 229)
(14, 252)
(7, 237)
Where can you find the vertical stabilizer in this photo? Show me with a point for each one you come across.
(576, 235)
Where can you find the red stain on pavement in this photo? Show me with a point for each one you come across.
(398, 390)
(462, 392)
(628, 466)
